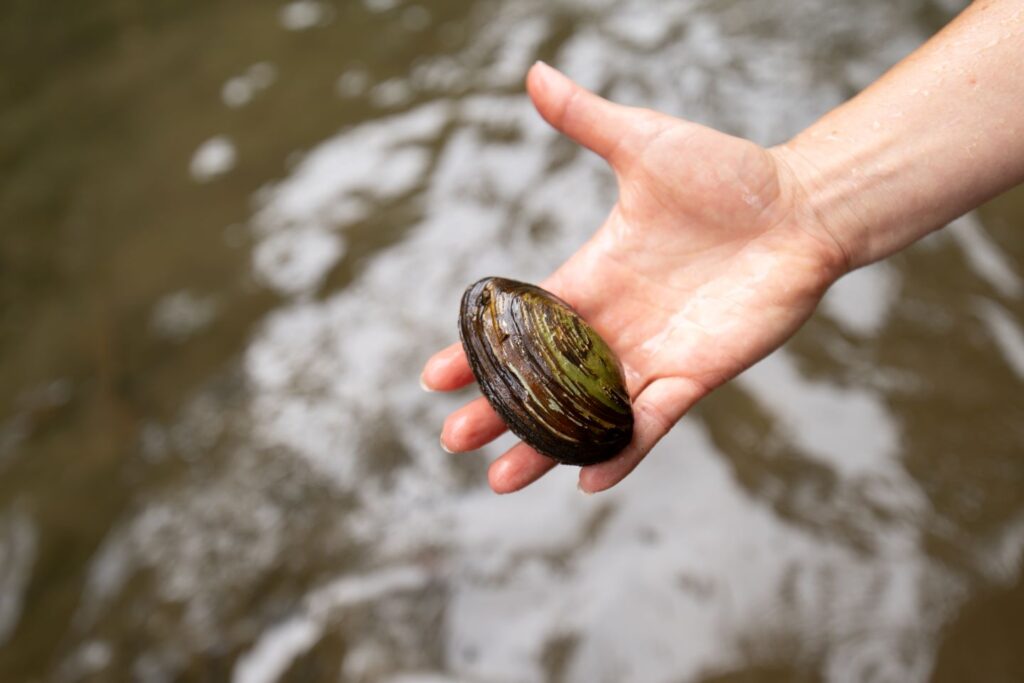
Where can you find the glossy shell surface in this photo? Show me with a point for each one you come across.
(546, 372)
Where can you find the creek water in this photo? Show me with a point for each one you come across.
(233, 231)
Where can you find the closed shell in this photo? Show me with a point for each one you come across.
(545, 371)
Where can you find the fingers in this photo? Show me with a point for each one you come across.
(590, 120)
(447, 370)
(471, 426)
(655, 412)
(475, 425)
(518, 467)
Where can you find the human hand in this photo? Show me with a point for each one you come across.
(709, 260)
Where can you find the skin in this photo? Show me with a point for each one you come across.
(718, 250)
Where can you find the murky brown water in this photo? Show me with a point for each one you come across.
(232, 232)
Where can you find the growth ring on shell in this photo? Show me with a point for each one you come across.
(552, 379)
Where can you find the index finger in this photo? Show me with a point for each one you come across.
(447, 370)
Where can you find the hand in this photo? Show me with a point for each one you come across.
(709, 260)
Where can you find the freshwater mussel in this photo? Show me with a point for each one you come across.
(545, 371)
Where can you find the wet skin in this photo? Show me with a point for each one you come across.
(688, 292)
(718, 250)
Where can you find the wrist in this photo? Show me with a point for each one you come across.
(826, 192)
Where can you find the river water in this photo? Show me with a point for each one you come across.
(232, 233)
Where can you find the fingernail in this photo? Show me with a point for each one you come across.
(443, 447)
(424, 387)
(579, 487)
(545, 69)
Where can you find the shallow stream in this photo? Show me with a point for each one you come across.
(230, 234)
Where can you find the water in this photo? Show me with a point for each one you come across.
(233, 231)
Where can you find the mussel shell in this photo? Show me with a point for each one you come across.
(545, 371)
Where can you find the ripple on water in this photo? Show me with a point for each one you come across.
(287, 531)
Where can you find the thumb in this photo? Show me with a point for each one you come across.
(592, 121)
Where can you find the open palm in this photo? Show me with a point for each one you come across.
(707, 263)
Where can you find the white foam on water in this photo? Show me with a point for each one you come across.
(300, 15)
(367, 161)
(985, 257)
(213, 158)
(1006, 332)
(179, 315)
(862, 300)
(683, 569)
(239, 90)
(18, 543)
(298, 261)
(278, 647)
(826, 420)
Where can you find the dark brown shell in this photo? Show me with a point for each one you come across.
(545, 371)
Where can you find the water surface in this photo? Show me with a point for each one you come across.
(233, 231)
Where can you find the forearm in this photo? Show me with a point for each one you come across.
(934, 137)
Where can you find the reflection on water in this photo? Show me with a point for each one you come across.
(218, 287)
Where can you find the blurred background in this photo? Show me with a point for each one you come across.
(232, 231)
